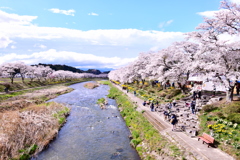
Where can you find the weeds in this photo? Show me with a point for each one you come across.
(22, 133)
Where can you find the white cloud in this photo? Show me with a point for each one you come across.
(65, 57)
(6, 8)
(165, 24)
(14, 19)
(93, 14)
(30, 38)
(4, 41)
(209, 14)
(13, 47)
(40, 46)
(69, 12)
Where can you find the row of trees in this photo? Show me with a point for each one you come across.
(40, 73)
(213, 51)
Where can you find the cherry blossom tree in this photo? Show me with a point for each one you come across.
(10, 70)
(220, 52)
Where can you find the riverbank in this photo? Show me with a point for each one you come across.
(145, 137)
(183, 140)
(28, 124)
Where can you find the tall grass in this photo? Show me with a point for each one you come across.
(26, 132)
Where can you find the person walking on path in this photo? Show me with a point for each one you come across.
(193, 106)
(152, 107)
(174, 103)
(144, 103)
(134, 92)
(173, 121)
(170, 105)
(194, 94)
(199, 94)
(198, 104)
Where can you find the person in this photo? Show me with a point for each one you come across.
(214, 90)
(174, 103)
(193, 106)
(199, 94)
(134, 92)
(165, 113)
(173, 121)
(186, 104)
(237, 87)
(194, 94)
(198, 104)
(144, 103)
(152, 107)
(170, 105)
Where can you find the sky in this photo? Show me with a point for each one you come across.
(98, 34)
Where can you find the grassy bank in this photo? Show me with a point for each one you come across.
(19, 88)
(28, 124)
(145, 138)
(27, 131)
(222, 119)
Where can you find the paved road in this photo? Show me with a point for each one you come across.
(199, 150)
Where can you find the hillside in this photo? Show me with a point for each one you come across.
(57, 67)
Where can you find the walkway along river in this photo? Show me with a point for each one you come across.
(90, 133)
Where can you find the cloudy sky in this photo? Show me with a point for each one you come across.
(94, 33)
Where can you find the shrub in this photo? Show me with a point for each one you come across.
(168, 96)
(135, 142)
(163, 94)
(232, 108)
(209, 108)
(151, 91)
(174, 92)
(219, 114)
(234, 117)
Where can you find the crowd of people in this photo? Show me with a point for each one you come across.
(193, 106)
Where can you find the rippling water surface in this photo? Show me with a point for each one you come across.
(90, 133)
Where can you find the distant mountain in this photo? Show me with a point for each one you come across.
(57, 67)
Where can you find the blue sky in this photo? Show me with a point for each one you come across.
(94, 33)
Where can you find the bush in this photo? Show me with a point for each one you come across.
(163, 94)
(174, 92)
(151, 91)
(135, 142)
(232, 108)
(234, 117)
(219, 114)
(209, 108)
(168, 96)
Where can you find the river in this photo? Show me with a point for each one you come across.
(90, 133)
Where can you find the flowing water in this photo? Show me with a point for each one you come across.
(90, 133)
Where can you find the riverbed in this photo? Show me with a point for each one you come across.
(90, 133)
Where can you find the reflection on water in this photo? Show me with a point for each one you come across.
(90, 133)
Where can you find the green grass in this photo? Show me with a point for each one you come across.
(142, 130)
(32, 86)
(219, 118)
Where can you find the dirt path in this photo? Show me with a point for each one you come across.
(199, 150)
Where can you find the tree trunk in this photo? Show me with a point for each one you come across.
(22, 79)
(182, 87)
(229, 94)
(12, 79)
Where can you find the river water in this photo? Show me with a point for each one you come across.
(90, 133)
